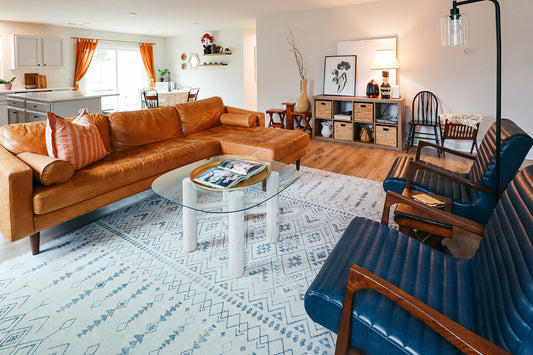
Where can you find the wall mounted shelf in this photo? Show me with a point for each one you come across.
(212, 65)
(208, 55)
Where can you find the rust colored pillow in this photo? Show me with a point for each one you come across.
(238, 119)
(78, 142)
(47, 170)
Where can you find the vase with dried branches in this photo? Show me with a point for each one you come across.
(302, 104)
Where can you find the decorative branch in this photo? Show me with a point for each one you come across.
(297, 54)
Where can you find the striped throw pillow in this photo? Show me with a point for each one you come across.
(78, 142)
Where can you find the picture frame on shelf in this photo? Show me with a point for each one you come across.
(340, 74)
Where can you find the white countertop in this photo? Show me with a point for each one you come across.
(21, 90)
(54, 96)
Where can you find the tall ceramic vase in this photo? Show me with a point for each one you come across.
(302, 104)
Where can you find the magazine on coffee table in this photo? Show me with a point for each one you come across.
(229, 173)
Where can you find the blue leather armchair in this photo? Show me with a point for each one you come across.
(474, 193)
(409, 298)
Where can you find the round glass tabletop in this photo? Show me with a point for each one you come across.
(176, 185)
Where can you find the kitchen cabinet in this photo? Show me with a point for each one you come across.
(34, 52)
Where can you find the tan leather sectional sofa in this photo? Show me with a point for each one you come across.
(143, 145)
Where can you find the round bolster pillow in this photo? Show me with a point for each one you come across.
(47, 170)
(238, 119)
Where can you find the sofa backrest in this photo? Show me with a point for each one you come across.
(502, 270)
(133, 128)
(515, 144)
(200, 115)
(30, 137)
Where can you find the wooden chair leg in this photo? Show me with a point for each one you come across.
(298, 164)
(34, 242)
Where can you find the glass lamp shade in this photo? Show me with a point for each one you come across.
(454, 32)
(385, 59)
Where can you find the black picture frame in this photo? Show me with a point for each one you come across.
(340, 75)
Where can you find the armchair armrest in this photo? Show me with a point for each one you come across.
(462, 338)
(260, 115)
(433, 213)
(16, 206)
(422, 144)
(415, 165)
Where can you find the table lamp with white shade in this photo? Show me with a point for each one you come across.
(385, 60)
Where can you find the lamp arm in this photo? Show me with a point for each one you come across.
(498, 83)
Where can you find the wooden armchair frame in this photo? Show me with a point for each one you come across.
(419, 164)
(462, 338)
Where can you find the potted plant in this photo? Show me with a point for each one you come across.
(207, 41)
(162, 73)
(7, 84)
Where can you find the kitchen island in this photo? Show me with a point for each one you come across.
(34, 106)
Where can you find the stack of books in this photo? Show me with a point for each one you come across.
(428, 200)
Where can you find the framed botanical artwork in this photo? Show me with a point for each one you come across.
(339, 75)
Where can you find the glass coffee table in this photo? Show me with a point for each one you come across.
(263, 188)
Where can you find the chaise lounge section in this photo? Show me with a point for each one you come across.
(142, 145)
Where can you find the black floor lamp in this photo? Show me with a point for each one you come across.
(455, 33)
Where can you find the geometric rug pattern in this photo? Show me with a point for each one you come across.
(122, 285)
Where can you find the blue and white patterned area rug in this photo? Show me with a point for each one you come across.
(121, 285)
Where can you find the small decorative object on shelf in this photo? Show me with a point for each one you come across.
(372, 89)
(207, 41)
(326, 129)
(385, 86)
(365, 135)
(7, 84)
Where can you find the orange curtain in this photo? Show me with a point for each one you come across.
(85, 48)
(147, 54)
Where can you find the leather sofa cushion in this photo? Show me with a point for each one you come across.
(47, 170)
(121, 168)
(200, 115)
(30, 137)
(135, 128)
(379, 325)
(261, 142)
(239, 120)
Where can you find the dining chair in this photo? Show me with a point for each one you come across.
(193, 94)
(151, 98)
(424, 115)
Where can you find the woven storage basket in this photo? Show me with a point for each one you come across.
(323, 109)
(387, 135)
(363, 112)
(343, 131)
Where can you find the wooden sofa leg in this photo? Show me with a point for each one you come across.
(298, 164)
(34, 242)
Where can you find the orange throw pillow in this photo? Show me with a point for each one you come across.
(78, 142)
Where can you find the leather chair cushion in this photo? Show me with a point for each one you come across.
(379, 325)
(200, 115)
(47, 170)
(134, 128)
(30, 137)
(259, 142)
(239, 120)
(121, 168)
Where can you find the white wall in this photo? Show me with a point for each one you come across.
(228, 81)
(62, 77)
(463, 82)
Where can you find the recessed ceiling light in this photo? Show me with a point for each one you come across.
(132, 14)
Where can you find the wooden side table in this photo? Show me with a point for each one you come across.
(302, 120)
(418, 225)
(281, 113)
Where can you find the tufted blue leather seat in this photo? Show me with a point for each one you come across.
(470, 203)
(490, 294)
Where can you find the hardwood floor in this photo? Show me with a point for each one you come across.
(369, 163)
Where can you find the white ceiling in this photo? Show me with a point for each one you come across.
(156, 17)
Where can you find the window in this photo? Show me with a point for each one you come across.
(116, 68)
